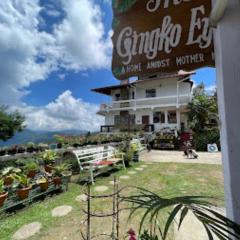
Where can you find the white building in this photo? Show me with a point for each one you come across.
(148, 104)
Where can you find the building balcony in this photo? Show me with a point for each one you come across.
(154, 102)
(125, 128)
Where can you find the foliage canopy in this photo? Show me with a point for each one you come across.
(10, 123)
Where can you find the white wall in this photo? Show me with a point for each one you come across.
(164, 87)
(109, 119)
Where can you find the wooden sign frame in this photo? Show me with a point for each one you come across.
(161, 36)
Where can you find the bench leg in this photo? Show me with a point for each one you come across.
(91, 176)
(123, 163)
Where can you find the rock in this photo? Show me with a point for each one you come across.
(124, 177)
(61, 211)
(101, 188)
(139, 169)
(81, 198)
(27, 231)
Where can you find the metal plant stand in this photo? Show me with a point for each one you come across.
(114, 235)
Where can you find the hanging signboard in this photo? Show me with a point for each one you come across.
(160, 36)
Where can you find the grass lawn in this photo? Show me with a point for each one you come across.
(166, 179)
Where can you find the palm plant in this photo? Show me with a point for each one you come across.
(1, 186)
(49, 157)
(8, 171)
(213, 222)
(61, 169)
(22, 180)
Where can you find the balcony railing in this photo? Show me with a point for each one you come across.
(125, 128)
(154, 102)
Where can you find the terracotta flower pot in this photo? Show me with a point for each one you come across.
(43, 186)
(57, 181)
(3, 197)
(8, 181)
(23, 192)
(32, 174)
(48, 168)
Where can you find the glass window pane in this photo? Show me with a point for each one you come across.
(150, 93)
(159, 117)
(172, 117)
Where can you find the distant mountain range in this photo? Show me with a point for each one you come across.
(38, 136)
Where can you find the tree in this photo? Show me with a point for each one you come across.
(10, 123)
(203, 110)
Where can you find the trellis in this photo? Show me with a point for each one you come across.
(114, 235)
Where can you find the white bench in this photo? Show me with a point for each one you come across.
(97, 160)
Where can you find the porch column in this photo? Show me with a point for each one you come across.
(178, 119)
(227, 49)
(166, 116)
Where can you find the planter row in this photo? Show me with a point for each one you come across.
(14, 197)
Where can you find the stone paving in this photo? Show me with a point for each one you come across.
(27, 231)
(139, 169)
(124, 177)
(81, 198)
(177, 157)
(112, 182)
(101, 188)
(61, 211)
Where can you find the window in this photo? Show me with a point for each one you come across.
(124, 120)
(150, 93)
(117, 97)
(159, 117)
(117, 120)
(172, 117)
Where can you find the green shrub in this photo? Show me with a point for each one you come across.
(147, 236)
(201, 140)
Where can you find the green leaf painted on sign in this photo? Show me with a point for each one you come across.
(115, 23)
(122, 6)
(117, 71)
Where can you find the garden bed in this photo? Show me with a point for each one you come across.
(13, 202)
(166, 179)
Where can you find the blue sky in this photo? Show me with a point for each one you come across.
(55, 52)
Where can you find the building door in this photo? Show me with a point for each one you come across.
(145, 122)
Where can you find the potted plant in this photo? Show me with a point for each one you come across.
(31, 169)
(59, 172)
(42, 146)
(12, 150)
(43, 183)
(7, 174)
(49, 158)
(3, 194)
(30, 147)
(134, 148)
(3, 151)
(21, 149)
(24, 186)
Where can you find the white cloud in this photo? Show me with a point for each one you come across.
(66, 112)
(79, 42)
(80, 37)
(20, 44)
(211, 88)
(29, 55)
(85, 74)
(108, 1)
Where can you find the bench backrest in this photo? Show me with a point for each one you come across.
(93, 155)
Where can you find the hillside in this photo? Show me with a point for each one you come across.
(38, 136)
